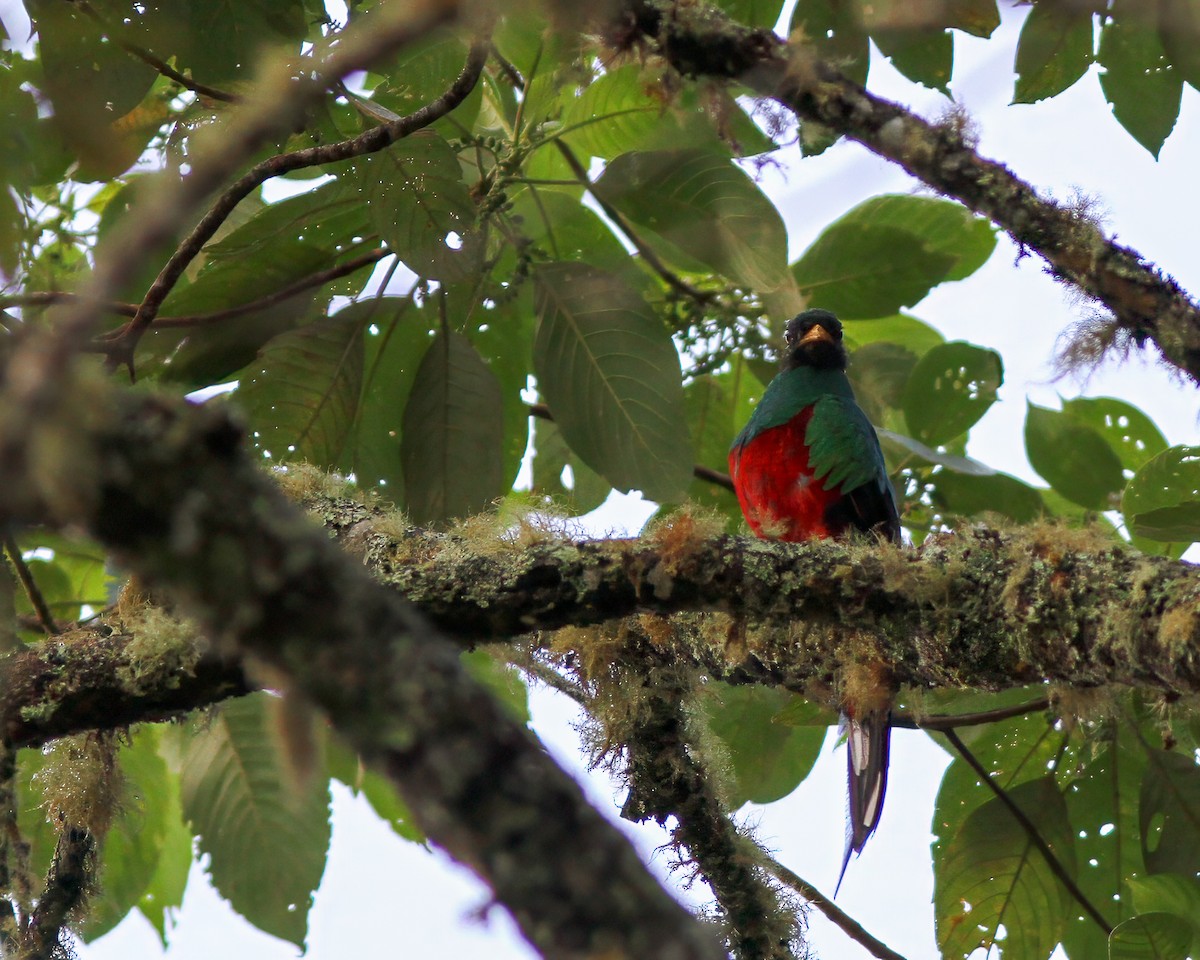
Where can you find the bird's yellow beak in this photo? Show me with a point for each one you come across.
(818, 332)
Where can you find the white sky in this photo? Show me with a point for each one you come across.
(383, 895)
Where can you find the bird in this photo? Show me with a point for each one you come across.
(808, 466)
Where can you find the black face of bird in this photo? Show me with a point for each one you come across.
(814, 339)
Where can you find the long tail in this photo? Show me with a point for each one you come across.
(868, 742)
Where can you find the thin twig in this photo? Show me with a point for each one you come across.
(839, 918)
(322, 277)
(1031, 831)
(652, 259)
(373, 140)
(147, 57)
(287, 92)
(32, 591)
(67, 885)
(553, 679)
(953, 721)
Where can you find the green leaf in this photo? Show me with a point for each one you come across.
(1132, 435)
(163, 896)
(611, 375)
(860, 270)
(973, 496)
(1054, 51)
(878, 373)
(265, 834)
(134, 845)
(91, 84)
(581, 489)
(1170, 894)
(1151, 936)
(564, 229)
(1073, 457)
(1138, 80)
(423, 71)
(324, 218)
(1179, 32)
(380, 793)
(301, 394)
(940, 225)
(420, 205)
(925, 56)
(889, 252)
(902, 451)
(835, 32)
(1103, 805)
(1169, 813)
(768, 759)
(753, 13)
(992, 865)
(950, 388)
(718, 406)
(198, 357)
(396, 337)
(706, 206)
(901, 329)
(453, 431)
(1162, 501)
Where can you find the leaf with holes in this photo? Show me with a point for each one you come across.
(836, 33)
(1162, 501)
(1073, 457)
(265, 834)
(1102, 802)
(421, 207)
(704, 205)
(301, 395)
(1054, 51)
(999, 493)
(1132, 435)
(1138, 79)
(950, 388)
(992, 875)
(453, 430)
(611, 374)
(1169, 812)
(768, 758)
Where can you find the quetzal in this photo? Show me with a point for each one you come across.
(808, 465)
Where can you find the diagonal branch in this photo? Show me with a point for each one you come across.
(667, 782)
(168, 489)
(1031, 832)
(698, 40)
(151, 59)
(838, 917)
(121, 348)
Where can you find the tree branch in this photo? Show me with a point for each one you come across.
(165, 486)
(377, 138)
(32, 591)
(66, 886)
(1031, 831)
(838, 917)
(279, 101)
(150, 59)
(667, 782)
(701, 41)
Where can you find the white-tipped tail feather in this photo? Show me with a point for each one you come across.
(867, 743)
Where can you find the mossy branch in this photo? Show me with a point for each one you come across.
(168, 489)
(698, 40)
(983, 610)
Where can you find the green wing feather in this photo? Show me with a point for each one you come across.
(843, 448)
